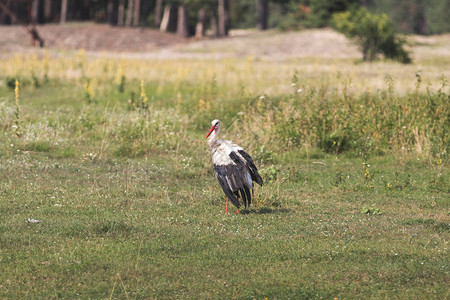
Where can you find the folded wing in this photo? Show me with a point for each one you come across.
(236, 173)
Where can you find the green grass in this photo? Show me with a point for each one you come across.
(129, 207)
(140, 228)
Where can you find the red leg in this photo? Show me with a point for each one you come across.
(237, 210)
(226, 209)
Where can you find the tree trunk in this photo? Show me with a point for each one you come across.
(63, 12)
(47, 10)
(110, 12)
(15, 6)
(5, 10)
(182, 22)
(34, 12)
(262, 11)
(158, 8)
(3, 14)
(165, 20)
(200, 27)
(129, 13)
(223, 17)
(85, 10)
(420, 24)
(214, 27)
(120, 13)
(169, 20)
(137, 10)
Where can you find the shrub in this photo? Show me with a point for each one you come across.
(374, 33)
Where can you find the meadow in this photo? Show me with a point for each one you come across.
(107, 188)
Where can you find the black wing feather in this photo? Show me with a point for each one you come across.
(252, 168)
(233, 178)
(248, 195)
(223, 174)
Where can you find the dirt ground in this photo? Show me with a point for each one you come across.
(149, 43)
(91, 37)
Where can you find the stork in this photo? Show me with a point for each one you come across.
(233, 167)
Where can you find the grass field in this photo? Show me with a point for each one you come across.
(108, 154)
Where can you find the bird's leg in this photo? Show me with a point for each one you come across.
(226, 209)
(237, 210)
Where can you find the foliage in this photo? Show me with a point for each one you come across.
(415, 16)
(371, 211)
(243, 14)
(373, 32)
(322, 10)
(300, 14)
(16, 126)
(437, 17)
(369, 123)
(89, 90)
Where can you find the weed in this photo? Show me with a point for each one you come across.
(371, 211)
(338, 178)
(89, 90)
(390, 84)
(39, 146)
(16, 126)
(270, 174)
(398, 183)
(143, 100)
(120, 76)
(418, 221)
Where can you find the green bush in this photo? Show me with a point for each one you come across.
(374, 33)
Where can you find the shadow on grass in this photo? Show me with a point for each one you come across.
(265, 210)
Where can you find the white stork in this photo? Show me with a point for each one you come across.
(233, 167)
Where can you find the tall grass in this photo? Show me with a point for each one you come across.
(337, 122)
(328, 105)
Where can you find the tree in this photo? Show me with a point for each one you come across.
(200, 26)
(120, 13)
(47, 10)
(373, 32)
(3, 14)
(437, 16)
(63, 12)
(158, 8)
(34, 12)
(182, 26)
(129, 13)
(214, 25)
(222, 13)
(263, 14)
(169, 20)
(110, 12)
(137, 10)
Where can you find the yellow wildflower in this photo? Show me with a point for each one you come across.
(143, 94)
(16, 91)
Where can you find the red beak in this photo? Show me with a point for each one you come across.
(211, 130)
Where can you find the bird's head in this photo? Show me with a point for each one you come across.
(215, 127)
